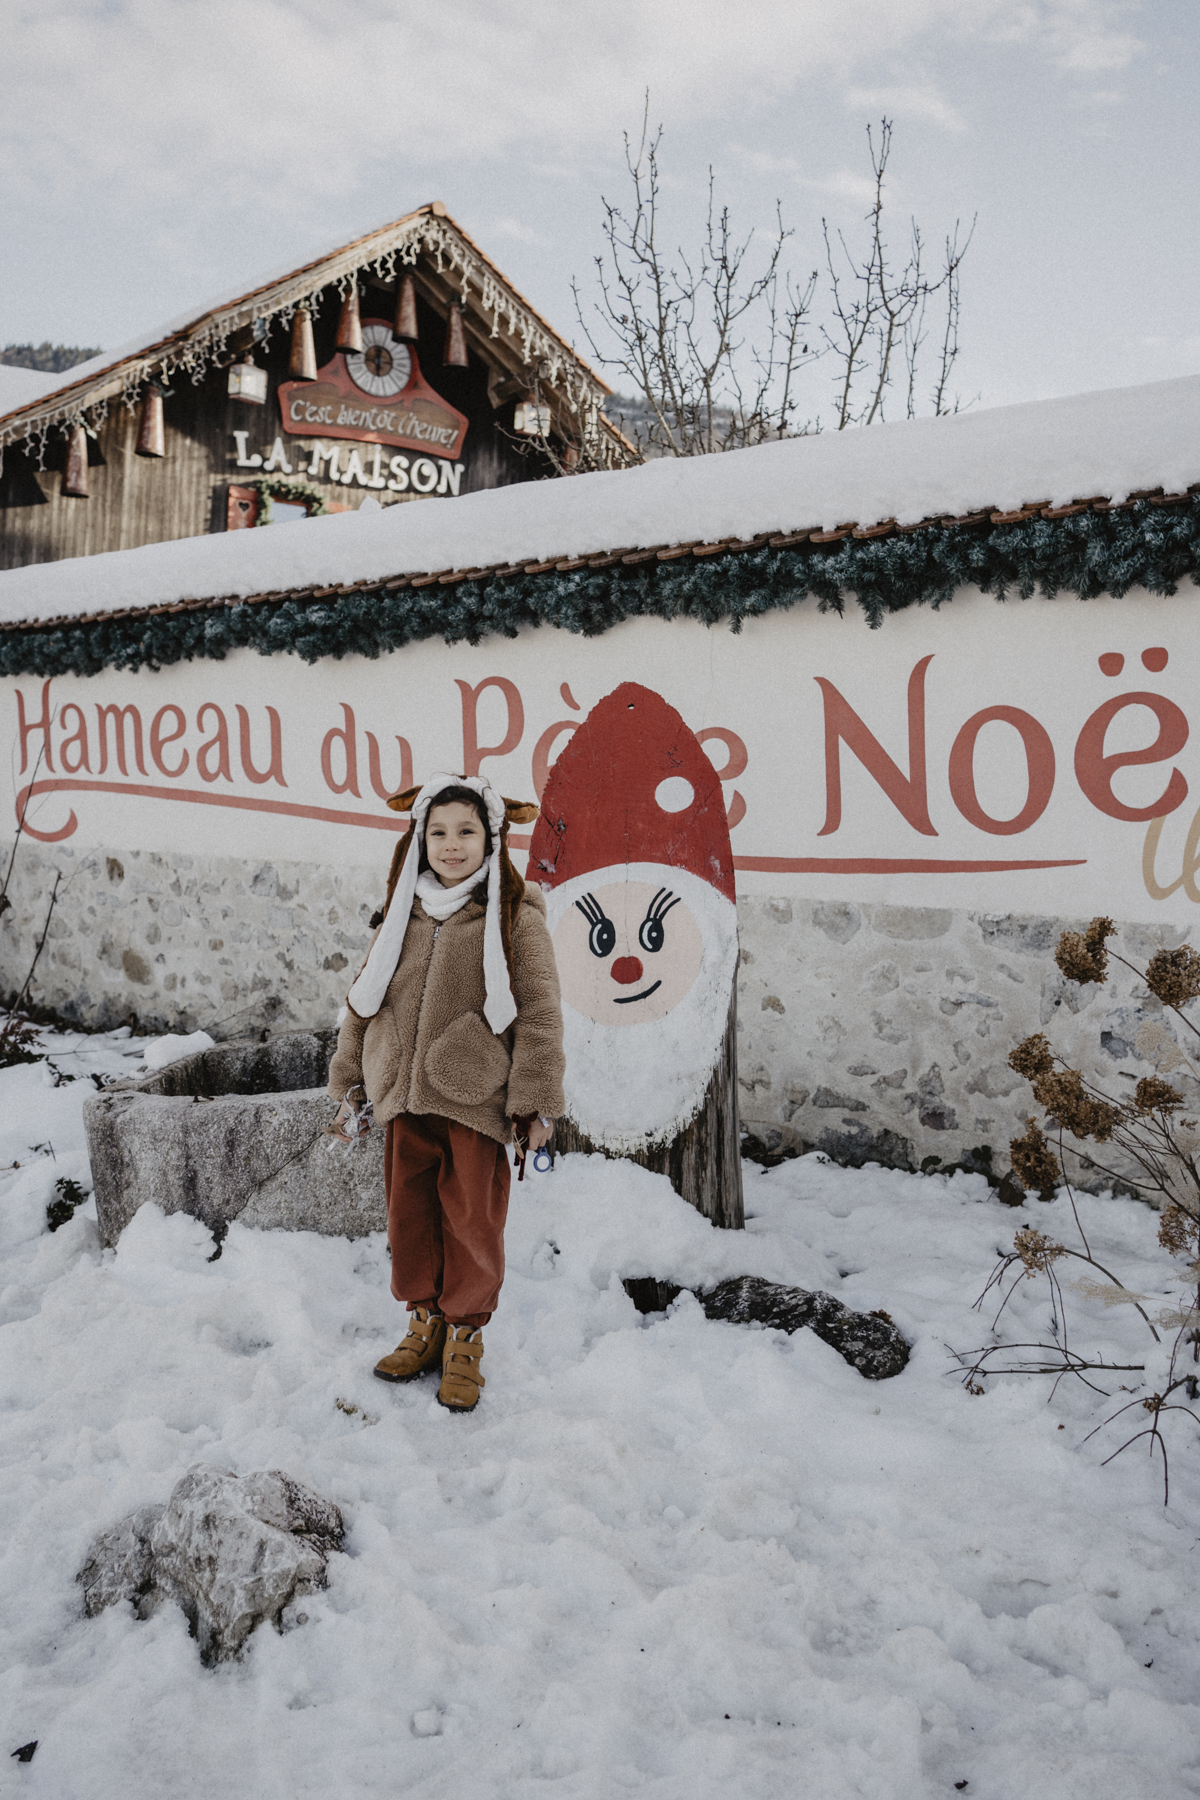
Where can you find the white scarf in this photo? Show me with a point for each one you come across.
(442, 903)
(367, 994)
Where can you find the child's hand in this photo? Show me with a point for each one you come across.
(531, 1134)
(348, 1124)
(539, 1134)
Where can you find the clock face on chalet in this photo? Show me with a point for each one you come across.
(383, 365)
(376, 395)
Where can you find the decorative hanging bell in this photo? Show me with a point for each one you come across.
(303, 363)
(349, 331)
(406, 310)
(75, 475)
(455, 354)
(151, 438)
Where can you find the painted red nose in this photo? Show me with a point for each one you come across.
(627, 970)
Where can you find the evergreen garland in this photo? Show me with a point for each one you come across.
(279, 487)
(1148, 545)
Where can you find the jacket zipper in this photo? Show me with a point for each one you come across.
(412, 1074)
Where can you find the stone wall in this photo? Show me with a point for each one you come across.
(883, 1032)
(866, 1030)
(188, 942)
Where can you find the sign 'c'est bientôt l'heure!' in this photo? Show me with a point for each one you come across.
(376, 395)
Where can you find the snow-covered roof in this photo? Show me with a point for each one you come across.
(188, 343)
(1096, 449)
(20, 387)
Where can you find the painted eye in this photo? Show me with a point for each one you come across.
(651, 931)
(602, 938)
(651, 934)
(602, 933)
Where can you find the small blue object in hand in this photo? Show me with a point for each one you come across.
(539, 1165)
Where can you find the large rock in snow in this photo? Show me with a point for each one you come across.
(234, 1133)
(230, 1550)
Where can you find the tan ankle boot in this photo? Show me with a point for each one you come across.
(461, 1380)
(421, 1349)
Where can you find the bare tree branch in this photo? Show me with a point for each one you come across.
(711, 343)
(878, 324)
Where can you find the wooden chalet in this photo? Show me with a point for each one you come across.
(403, 366)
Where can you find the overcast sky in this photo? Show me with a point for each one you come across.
(154, 153)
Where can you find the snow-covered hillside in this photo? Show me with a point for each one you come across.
(664, 1557)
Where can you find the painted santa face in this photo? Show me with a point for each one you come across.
(627, 952)
(628, 1089)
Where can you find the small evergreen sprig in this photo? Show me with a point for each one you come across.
(61, 1211)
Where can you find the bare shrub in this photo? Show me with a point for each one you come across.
(1160, 1146)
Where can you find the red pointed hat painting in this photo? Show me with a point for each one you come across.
(632, 850)
(632, 785)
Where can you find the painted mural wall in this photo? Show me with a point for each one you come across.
(913, 813)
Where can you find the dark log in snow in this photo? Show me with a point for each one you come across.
(870, 1342)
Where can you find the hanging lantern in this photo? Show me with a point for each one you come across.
(303, 364)
(530, 419)
(151, 439)
(455, 353)
(349, 331)
(75, 475)
(248, 382)
(406, 310)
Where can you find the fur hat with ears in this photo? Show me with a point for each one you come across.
(505, 891)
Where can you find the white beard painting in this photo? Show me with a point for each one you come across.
(632, 851)
(646, 956)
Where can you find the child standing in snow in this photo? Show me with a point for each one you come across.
(454, 1033)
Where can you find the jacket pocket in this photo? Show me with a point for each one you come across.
(468, 1063)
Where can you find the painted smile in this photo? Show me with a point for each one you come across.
(628, 999)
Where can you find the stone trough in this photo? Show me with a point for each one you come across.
(234, 1133)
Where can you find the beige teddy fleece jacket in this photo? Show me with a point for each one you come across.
(429, 1049)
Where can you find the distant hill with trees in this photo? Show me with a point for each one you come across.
(50, 359)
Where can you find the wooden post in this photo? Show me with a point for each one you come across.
(704, 1163)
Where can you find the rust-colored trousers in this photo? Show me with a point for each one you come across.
(447, 1200)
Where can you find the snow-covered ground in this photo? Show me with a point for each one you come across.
(664, 1557)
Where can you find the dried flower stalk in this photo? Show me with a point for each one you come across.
(1161, 1144)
